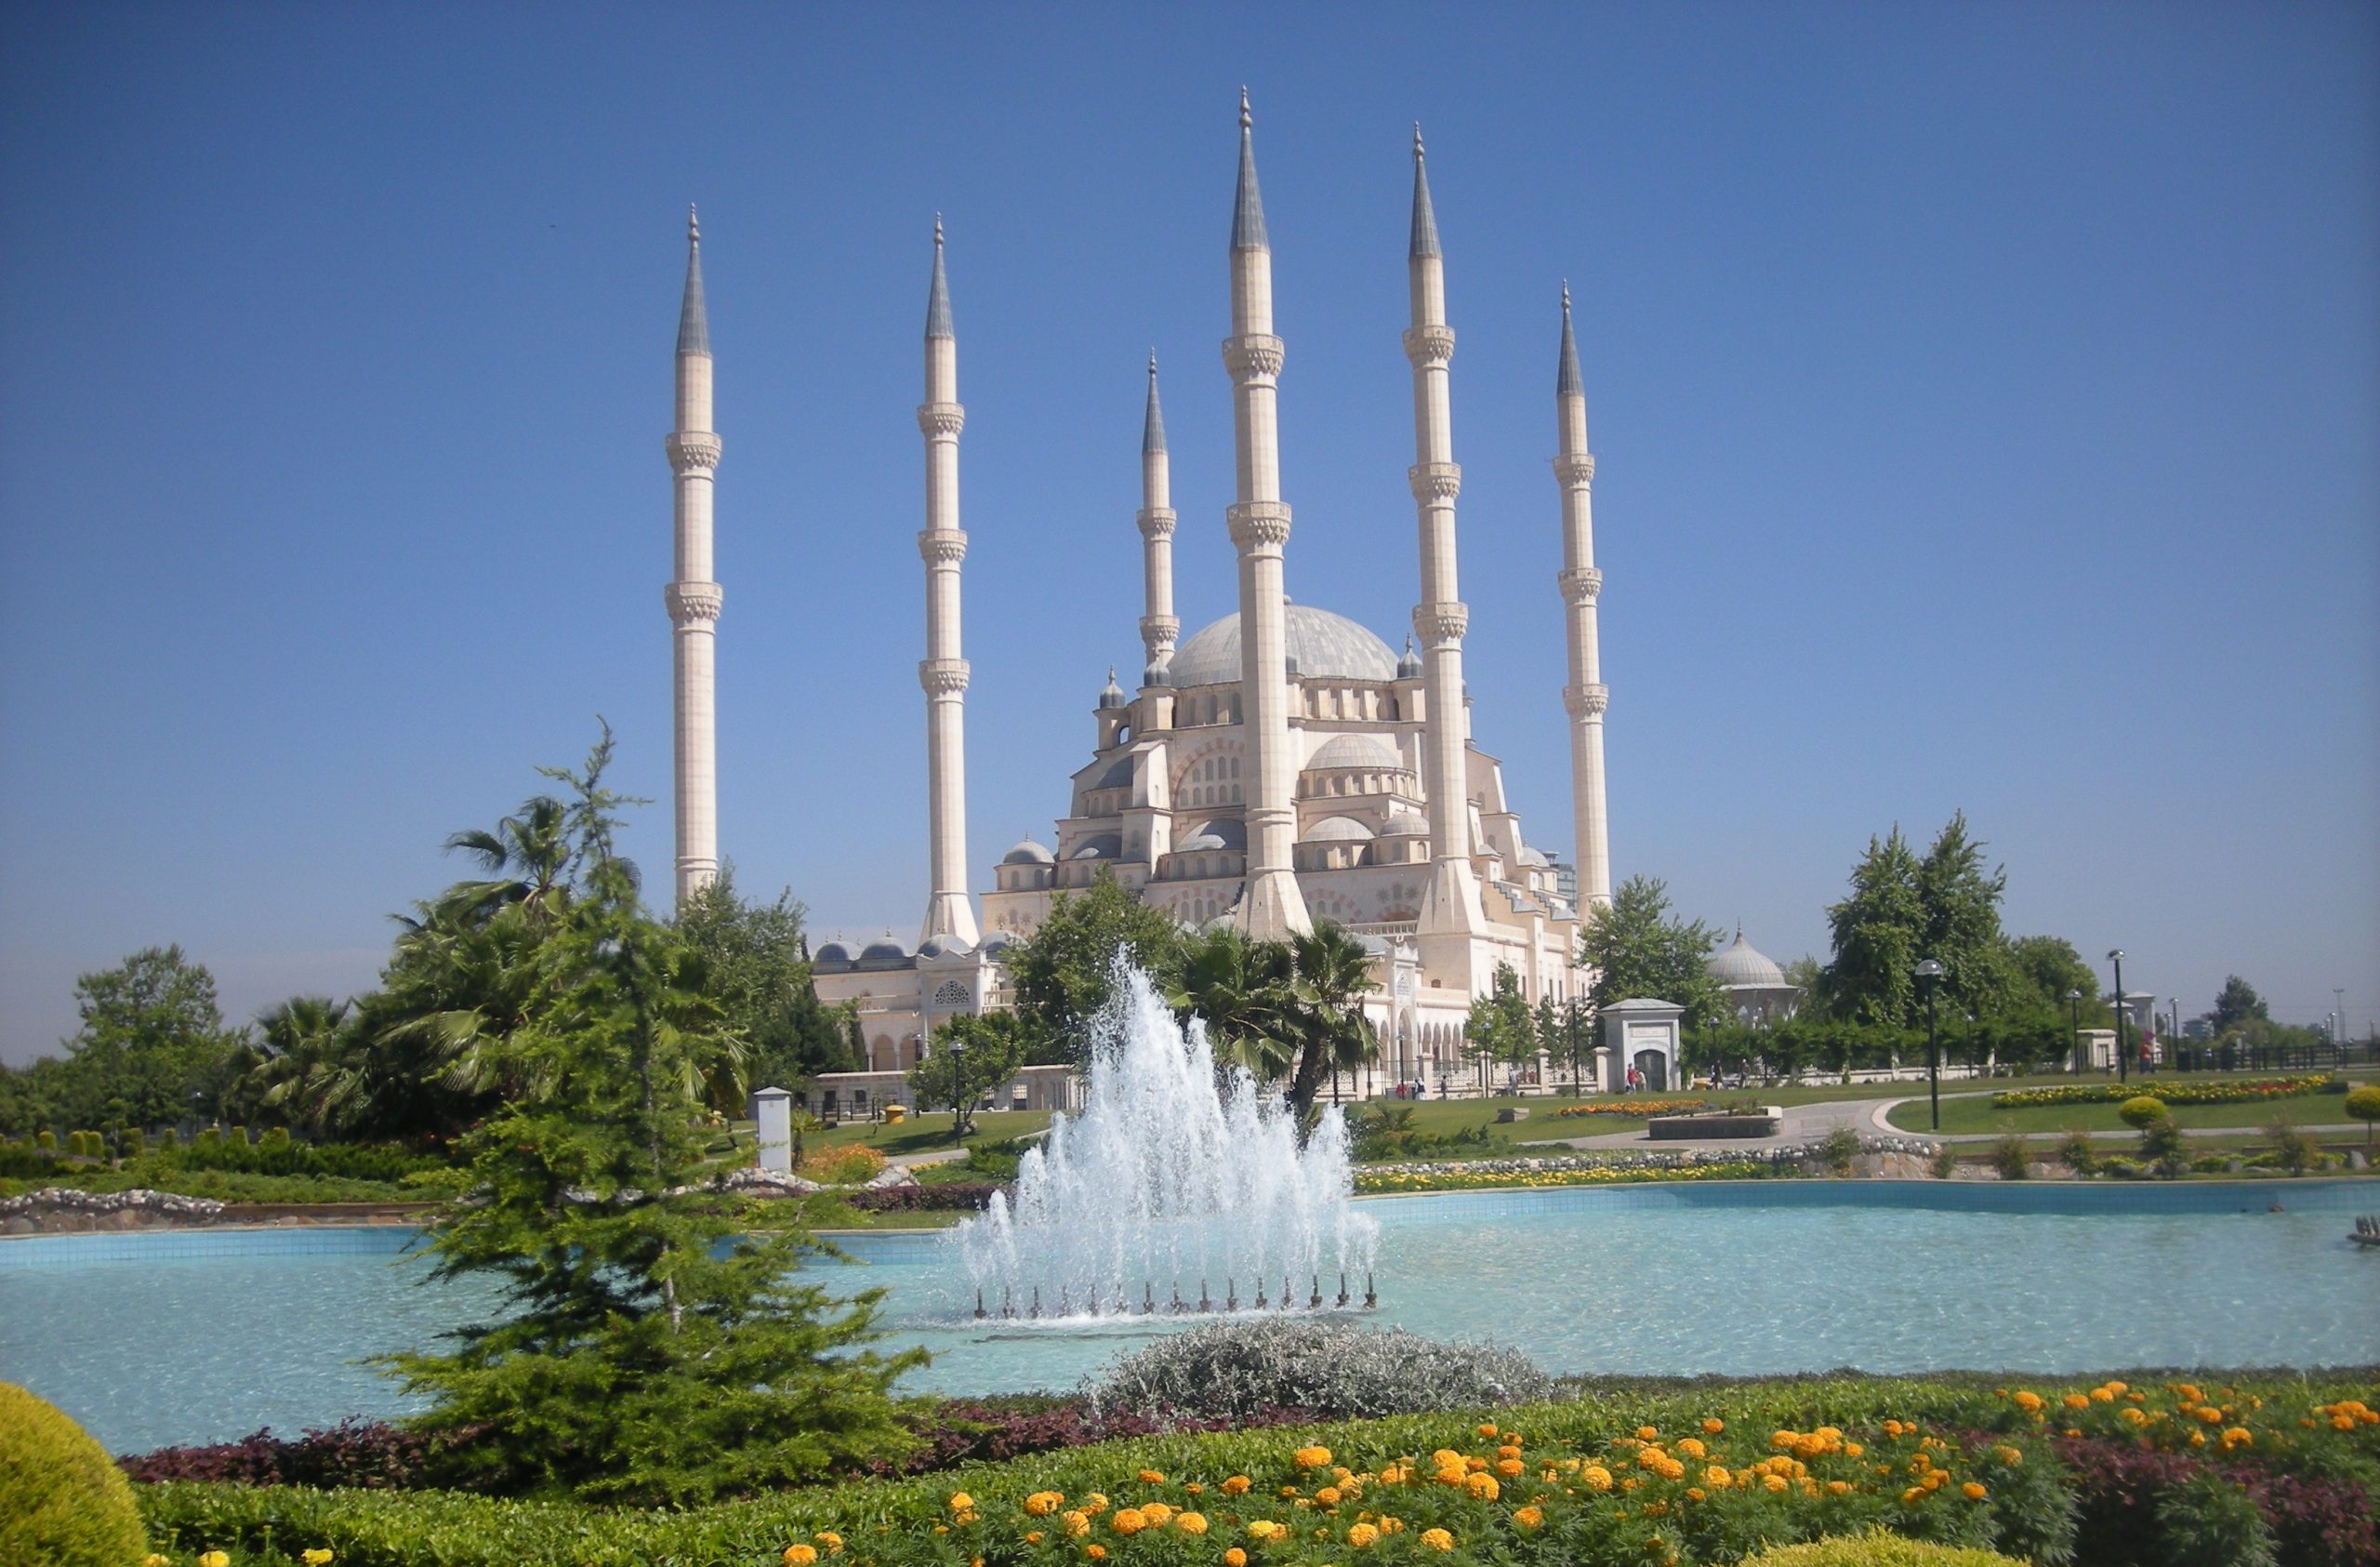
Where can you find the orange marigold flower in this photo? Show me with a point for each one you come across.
(1234, 1557)
(1127, 1520)
(1529, 1517)
(829, 1538)
(2029, 1401)
(1487, 1429)
(1645, 1433)
(1077, 1522)
(1511, 1467)
(1852, 1450)
(1437, 1539)
(1032, 1536)
(2101, 1395)
(2012, 1457)
(1305, 1458)
(1694, 1493)
(1594, 1477)
(2077, 1401)
(1191, 1522)
(1913, 1494)
(800, 1555)
(1712, 1426)
(1195, 1489)
(1097, 1553)
(1717, 1478)
(1154, 1514)
(1328, 1495)
(1973, 1492)
(1237, 1485)
(1483, 1488)
(1363, 1535)
(1150, 1476)
(1095, 1503)
(1042, 1504)
(960, 1501)
(1838, 1488)
(1773, 1482)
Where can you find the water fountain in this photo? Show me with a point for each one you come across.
(1172, 1175)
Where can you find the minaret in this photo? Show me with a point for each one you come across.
(1586, 696)
(1451, 902)
(1272, 906)
(694, 598)
(1158, 626)
(942, 672)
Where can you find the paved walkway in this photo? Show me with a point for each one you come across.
(1808, 1124)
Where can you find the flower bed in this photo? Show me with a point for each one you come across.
(1704, 1475)
(1476, 1175)
(2198, 1093)
(1637, 1108)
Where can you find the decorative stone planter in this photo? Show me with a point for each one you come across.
(1765, 1122)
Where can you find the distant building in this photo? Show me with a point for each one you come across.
(1756, 988)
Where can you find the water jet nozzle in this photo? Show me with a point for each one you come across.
(1148, 1297)
(1372, 1296)
(1035, 1312)
(1230, 1304)
(980, 1312)
(1260, 1294)
(1316, 1304)
(1342, 1289)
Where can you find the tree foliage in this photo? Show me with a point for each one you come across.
(1288, 1010)
(1901, 910)
(2048, 973)
(971, 1055)
(1640, 950)
(2238, 1004)
(1060, 971)
(757, 968)
(151, 1036)
(1501, 1029)
(656, 1347)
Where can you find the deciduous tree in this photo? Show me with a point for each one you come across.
(1640, 950)
(1061, 972)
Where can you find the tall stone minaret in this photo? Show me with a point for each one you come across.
(1586, 696)
(1158, 626)
(1450, 902)
(942, 672)
(1272, 906)
(694, 598)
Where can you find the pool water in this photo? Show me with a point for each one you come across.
(151, 1340)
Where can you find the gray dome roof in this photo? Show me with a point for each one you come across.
(1223, 832)
(884, 950)
(1742, 965)
(944, 947)
(1404, 823)
(1112, 694)
(833, 953)
(1338, 829)
(1118, 774)
(1028, 852)
(1355, 751)
(1409, 667)
(997, 940)
(1322, 646)
(1533, 857)
(1103, 845)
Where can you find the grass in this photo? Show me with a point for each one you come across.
(1977, 1115)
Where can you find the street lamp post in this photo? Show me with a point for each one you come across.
(1930, 979)
(2074, 1029)
(958, 1090)
(2115, 956)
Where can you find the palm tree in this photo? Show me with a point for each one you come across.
(311, 1071)
(1330, 975)
(530, 860)
(1241, 989)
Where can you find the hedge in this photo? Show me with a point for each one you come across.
(2196, 1092)
(1710, 1474)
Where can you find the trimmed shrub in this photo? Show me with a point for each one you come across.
(46, 1140)
(945, 1197)
(136, 1142)
(2142, 1111)
(2079, 1153)
(1837, 1151)
(361, 1454)
(1877, 1549)
(2011, 1158)
(2292, 1151)
(1228, 1370)
(62, 1503)
(168, 1140)
(2363, 1104)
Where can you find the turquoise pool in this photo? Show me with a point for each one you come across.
(202, 1336)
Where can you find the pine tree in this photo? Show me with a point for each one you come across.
(657, 1345)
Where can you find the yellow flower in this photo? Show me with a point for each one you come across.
(1693, 1448)
(1483, 1488)
(1487, 1430)
(829, 1538)
(960, 1501)
(1438, 1539)
(1838, 1488)
(1717, 1478)
(965, 1517)
(1594, 1477)
(1509, 1468)
(1042, 1504)
(1307, 1459)
(1773, 1483)
(2101, 1395)
(1191, 1522)
(1078, 1524)
(318, 1557)
(1237, 1485)
(2238, 1436)
(1973, 1492)
(1363, 1535)
(1095, 1503)
(1912, 1495)
(215, 1559)
(2029, 1401)
(1127, 1520)
(1646, 1433)
(1097, 1553)
(1328, 1495)
(800, 1555)
(2012, 1457)
(2135, 1416)
(154, 1560)
(1234, 1557)
(1263, 1529)
(1155, 1514)
(1150, 1476)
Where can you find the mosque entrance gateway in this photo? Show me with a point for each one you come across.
(1652, 1071)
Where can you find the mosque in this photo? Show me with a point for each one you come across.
(1280, 765)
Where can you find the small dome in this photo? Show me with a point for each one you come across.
(1742, 965)
(944, 947)
(1322, 646)
(1532, 858)
(884, 950)
(1105, 845)
(1360, 751)
(1156, 674)
(1112, 694)
(1028, 852)
(995, 941)
(1118, 775)
(833, 953)
(1223, 832)
(1409, 667)
(1404, 823)
(1338, 829)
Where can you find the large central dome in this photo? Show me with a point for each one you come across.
(1324, 646)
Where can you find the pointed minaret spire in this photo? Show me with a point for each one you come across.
(1247, 203)
(1152, 423)
(1585, 696)
(938, 297)
(693, 325)
(1425, 221)
(1158, 627)
(942, 672)
(1272, 906)
(1566, 380)
(692, 598)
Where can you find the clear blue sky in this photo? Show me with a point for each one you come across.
(1986, 399)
